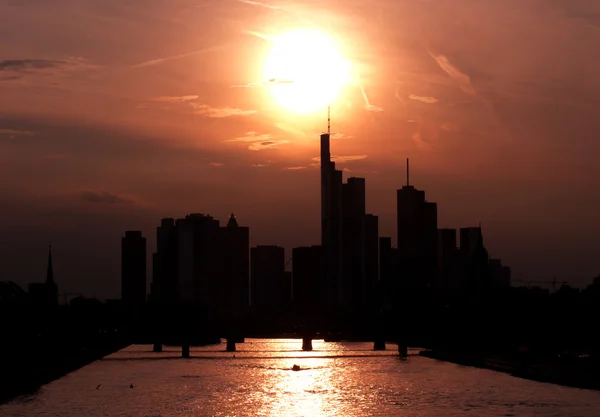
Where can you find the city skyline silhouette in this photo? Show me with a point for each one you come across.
(299, 207)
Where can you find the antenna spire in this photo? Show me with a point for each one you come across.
(407, 173)
(329, 120)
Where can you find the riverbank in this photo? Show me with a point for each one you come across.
(580, 373)
(26, 371)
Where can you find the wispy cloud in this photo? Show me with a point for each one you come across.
(55, 156)
(104, 197)
(260, 4)
(176, 99)
(173, 57)
(342, 158)
(12, 69)
(450, 127)
(261, 35)
(216, 164)
(13, 133)
(271, 81)
(368, 105)
(462, 79)
(338, 135)
(296, 168)
(419, 142)
(259, 142)
(220, 112)
(260, 165)
(428, 100)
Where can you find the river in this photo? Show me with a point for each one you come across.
(335, 379)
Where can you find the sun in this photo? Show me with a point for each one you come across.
(305, 70)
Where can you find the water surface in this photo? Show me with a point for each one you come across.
(336, 379)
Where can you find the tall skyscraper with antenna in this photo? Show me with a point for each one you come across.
(417, 235)
(331, 221)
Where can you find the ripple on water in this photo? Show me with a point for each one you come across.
(335, 379)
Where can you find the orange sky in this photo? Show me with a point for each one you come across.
(114, 114)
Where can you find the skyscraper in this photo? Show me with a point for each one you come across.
(165, 263)
(417, 236)
(307, 280)
(371, 299)
(353, 244)
(133, 269)
(331, 225)
(235, 285)
(267, 277)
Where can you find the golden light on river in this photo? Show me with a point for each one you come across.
(305, 70)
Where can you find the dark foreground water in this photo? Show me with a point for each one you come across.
(336, 379)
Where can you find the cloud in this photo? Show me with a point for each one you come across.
(368, 105)
(338, 135)
(176, 99)
(463, 80)
(342, 158)
(419, 142)
(207, 111)
(296, 168)
(14, 133)
(271, 81)
(450, 127)
(262, 36)
(259, 165)
(260, 4)
(428, 100)
(55, 156)
(16, 68)
(104, 197)
(259, 142)
(170, 58)
(216, 164)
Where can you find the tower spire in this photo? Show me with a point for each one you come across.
(407, 173)
(49, 271)
(329, 119)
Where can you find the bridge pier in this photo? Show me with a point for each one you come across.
(402, 350)
(185, 350)
(157, 347)
(307, 344)
(231, 345)
(379, 344)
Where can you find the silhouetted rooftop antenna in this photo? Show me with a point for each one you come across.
(329, 120)
(407, 173)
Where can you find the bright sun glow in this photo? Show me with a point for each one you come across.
(305, 70)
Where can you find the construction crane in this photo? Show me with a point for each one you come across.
(553, 282)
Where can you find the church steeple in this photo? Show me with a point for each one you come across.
(49, 271)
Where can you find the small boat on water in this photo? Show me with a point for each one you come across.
(295, 368)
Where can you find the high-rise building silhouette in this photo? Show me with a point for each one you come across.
(500, 275)
(165, 263)
(267, 278)
(46, 293)
(353, 244)
(331, 225)
(371, 298)
(236, 249)
(213, 263)
(475, 260)
(133, 269)
(417, 236)
(199, 253)
(449, 271)
(307, 279)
